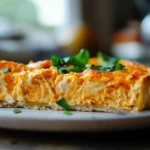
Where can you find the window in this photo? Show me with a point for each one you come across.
(51, 12)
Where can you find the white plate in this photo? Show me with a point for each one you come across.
(48, 120)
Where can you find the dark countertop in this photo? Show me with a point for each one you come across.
(25, 140)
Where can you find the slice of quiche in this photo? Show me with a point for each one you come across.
(75, 83)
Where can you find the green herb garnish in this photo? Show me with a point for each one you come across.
(68, 113)
(17, 111)
(119, 67)
(63, 70)
(77, 69)
(107, 60)
(62, 102)
(80, 60)
(5, 70)
(77, 63)
(57, 61)
(108, 69)
(109, 64)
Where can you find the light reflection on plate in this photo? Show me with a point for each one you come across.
(48, 120)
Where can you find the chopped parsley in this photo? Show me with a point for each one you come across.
(108, 69)
(57, 61)
(64, 70)
(78, 63)
(119, 67)
(68, 113)
(80, 60)
(77, 69)
(17, 111)
(5, 70)
(107, 60)
(62, 102)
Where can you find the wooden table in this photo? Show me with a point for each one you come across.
(25, 140)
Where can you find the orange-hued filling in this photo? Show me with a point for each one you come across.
(35, 84)
(94, 61)
(40, 64)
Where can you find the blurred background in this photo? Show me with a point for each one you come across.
(36, 29)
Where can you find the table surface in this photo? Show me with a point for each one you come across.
(25, 140)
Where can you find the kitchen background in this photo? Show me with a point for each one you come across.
(36, 29)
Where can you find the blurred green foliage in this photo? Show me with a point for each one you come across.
(22, 12)
(19, 11)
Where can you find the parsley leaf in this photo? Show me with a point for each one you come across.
(102, 57)
(77, 62)
(63, 70)
(80, 60)
(68, 70)
(5, 70)
(109, 63)
(107, 60)
(119, 67)
(108, 69)
(101, 68)
(17, 111)
(77, 69)
(62, 102)
(68, 113)
(57, 61)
